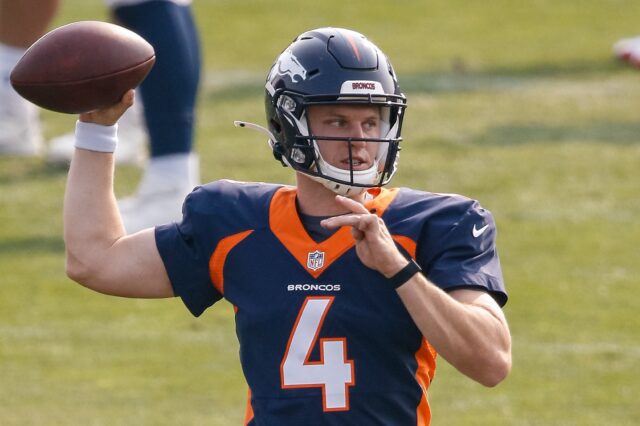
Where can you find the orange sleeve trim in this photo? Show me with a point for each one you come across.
(219, 256)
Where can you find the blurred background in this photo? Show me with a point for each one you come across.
(518, 104)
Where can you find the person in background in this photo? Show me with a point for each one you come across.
(628, 50)
(21, 24)
(169, 95)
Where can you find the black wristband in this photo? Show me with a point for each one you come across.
(405, 274)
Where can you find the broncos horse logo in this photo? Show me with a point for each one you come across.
(289, 65)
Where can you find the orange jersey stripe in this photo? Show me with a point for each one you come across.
(426, 355)
(248, 416)
(216, 262)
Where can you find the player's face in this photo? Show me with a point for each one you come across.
(353, 121)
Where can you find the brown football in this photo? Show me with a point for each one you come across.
(82, 66)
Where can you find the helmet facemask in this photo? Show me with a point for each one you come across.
(304, 155)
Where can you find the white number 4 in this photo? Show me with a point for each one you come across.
(333, 373)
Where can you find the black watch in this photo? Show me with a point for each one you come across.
(405, 274)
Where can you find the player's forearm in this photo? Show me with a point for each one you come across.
(91, 220)
(470, 334)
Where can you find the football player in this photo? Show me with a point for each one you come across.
(344, 290)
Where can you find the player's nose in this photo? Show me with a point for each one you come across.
(358, 133)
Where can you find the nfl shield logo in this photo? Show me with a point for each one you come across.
(315, 260)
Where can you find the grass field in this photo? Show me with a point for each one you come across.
(517, 104)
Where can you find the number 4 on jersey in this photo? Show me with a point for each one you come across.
(333, 373)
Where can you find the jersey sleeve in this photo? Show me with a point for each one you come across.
(185, 249)
(464, 254)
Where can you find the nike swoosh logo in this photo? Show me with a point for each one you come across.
(477, 232)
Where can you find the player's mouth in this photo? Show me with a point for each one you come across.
(356, 163)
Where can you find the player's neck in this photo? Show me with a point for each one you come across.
(316, 200)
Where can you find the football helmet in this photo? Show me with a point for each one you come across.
(332, 66)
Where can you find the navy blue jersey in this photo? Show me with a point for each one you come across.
(324, 339)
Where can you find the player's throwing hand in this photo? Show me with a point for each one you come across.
(110, 115)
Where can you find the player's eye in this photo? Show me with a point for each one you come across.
(336, 122)
(370, 125)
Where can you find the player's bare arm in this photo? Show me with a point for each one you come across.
(467, 327)
(100, 255)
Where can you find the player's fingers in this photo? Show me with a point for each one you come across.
(353, 221)
(128, 98)
(369, 223)
(357, 234)
(338, 221)
(361, 224)
(352, 205)
(125, 103)
(110, 115)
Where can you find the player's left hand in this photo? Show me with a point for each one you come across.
(374, 245)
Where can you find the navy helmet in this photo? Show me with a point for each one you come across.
(332, 66)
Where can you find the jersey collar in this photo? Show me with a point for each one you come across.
(316, 257)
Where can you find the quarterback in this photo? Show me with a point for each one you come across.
(344, 290)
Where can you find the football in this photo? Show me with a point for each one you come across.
(82, 66)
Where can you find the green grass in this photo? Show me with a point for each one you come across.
(517, 105)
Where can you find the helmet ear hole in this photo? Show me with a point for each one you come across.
(278, 153)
